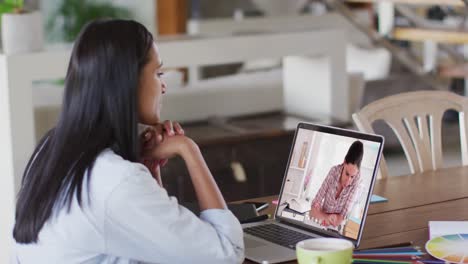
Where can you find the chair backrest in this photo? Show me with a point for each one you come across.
(416, 119)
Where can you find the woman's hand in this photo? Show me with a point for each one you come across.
(324, 218)
(172, 146)
(334, 219)
(152, 137)
(316, 212)
(208, 194)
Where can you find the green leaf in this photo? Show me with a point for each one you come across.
(14, 3)
(6, 8)
(74, 14)
(7, 5)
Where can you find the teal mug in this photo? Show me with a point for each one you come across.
(324, 251)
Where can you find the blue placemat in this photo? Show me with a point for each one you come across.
(378, 199)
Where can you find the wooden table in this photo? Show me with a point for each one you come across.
(414, 200)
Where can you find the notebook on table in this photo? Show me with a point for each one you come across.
(442, 228)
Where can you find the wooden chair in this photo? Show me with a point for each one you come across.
(416, 119)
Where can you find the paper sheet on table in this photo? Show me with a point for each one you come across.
(440, 228)
(378, 199)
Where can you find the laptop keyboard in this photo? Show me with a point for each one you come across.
(277, 234)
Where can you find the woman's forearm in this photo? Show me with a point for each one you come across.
(317, 213)
(208, 194)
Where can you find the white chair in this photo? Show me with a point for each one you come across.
(416, 119)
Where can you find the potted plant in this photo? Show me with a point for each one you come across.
(70, 16)
(21, 30)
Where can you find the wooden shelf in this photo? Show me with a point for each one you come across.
(442, 36)
(414, 2)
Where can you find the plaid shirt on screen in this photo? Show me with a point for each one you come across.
(325, 198)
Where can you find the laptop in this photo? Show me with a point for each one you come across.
(326, 192)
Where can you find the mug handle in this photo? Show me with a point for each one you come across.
(315, 260)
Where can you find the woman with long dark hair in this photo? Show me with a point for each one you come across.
(334, 199)
(86, 197)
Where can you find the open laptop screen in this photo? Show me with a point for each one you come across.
(329, 179)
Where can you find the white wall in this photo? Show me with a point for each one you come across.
(143, 10)
(7, 185)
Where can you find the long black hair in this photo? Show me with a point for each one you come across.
(355, 153)
(99, 111)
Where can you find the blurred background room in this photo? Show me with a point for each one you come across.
(241, 74)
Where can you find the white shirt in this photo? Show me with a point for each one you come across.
(129, 218)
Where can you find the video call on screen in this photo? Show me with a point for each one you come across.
(328, 181)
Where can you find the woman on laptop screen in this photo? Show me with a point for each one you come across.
(332, 202)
